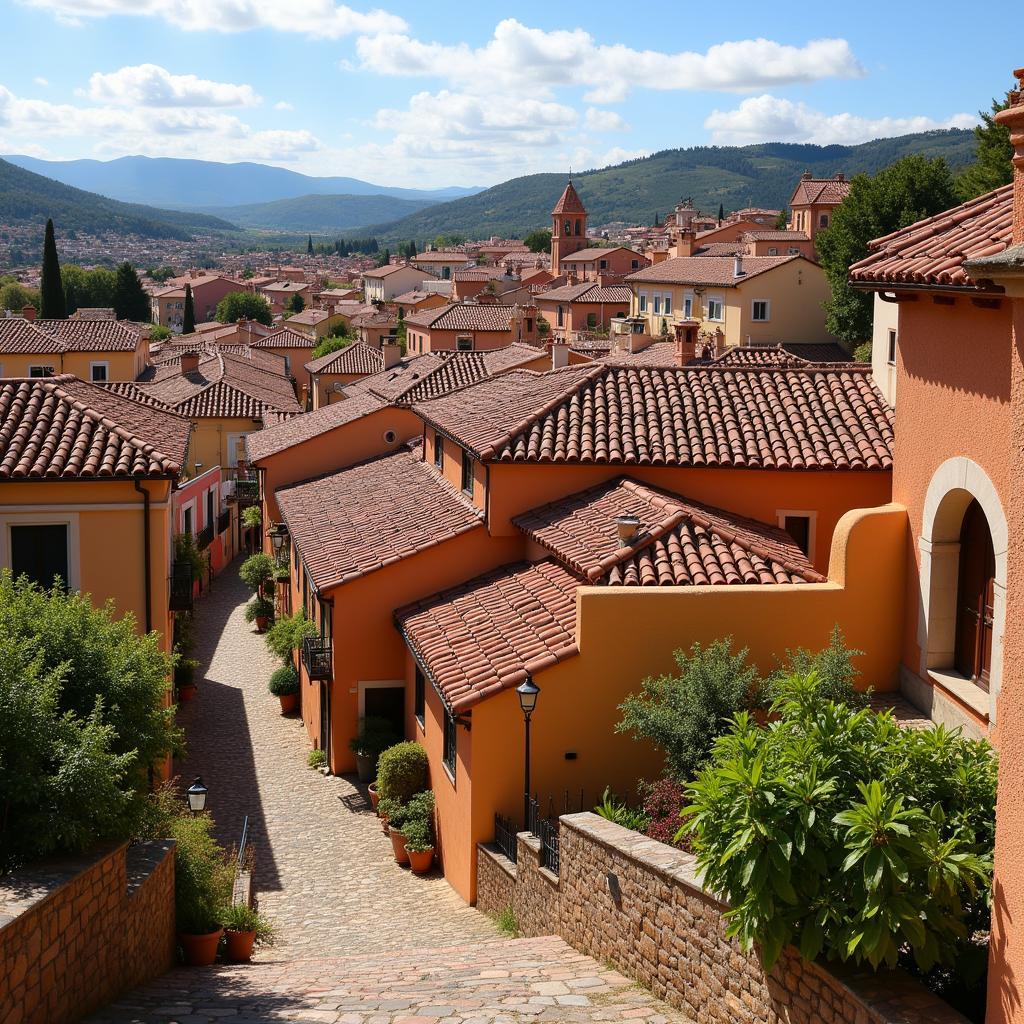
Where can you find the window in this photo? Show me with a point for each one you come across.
(604, 264)
(467, 473)
(438, 450)
(446, 273)
(40, 551)
(209, 508)
(529, 325)
(187, 521)
(40, 371)
(773, 250)
(591, 320)
(568, 227)
(793, 251)
(419, 697)
(687, 305)
(99, 372)
(560, 318)
(715, 309)
(578, 226)
(800, 526)
(823, 221)
(892, 348)
(464, 344)
(975, 605)
(668, 304)
(760, 310)
(634, 264)
(657, 303)
(450, 743)
(642, 302)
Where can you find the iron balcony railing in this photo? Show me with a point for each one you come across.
(181, 588)
(223, 521)
(505, 836)
(546, 830)
(316, 656)
(247, 491)
(204, 538)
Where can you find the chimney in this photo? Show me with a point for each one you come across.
(686, 344)
(628, 527)
(193, 273)
(840, 177)
(392, 353)
(559, 355)
(737, 266)
(1013, 118)
(189, 362)
(687, 240)
(806, 176)
(28, 312)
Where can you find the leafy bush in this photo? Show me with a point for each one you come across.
(614, 809)
(252, 517)
(374, 737)
(419, 834)
(185, 672)
(862, 353)
(240, 917)
(186, 552)
(256, 570)
(203, 875)
(259, 608)
(390, 808)
(284, 681)
(287, 634)
(663, 804)
(402, 771)
(244, 306)
(683, 713)
(316, 759)
(421, 806)
(507, 922)
(837, 831)
(834, 669)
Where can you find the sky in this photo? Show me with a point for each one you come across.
(430, 94)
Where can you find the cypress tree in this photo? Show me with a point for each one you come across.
(188, 322)
(721, 213)
(309, 246)
(130, 299)
(51, 290)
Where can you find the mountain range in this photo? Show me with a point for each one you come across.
(319, 214)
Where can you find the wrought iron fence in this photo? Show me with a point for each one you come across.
(204, 538)
(223, 520)
(316, 656)
(505, 836)
(181, 587)
(546, 830)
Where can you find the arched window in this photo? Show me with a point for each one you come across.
(568, 227)
(975, 598)
(577, 225)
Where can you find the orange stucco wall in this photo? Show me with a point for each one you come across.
(120, 365)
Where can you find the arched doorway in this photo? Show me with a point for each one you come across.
(975, 598)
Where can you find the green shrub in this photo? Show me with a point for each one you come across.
(239, 917)
(683, 713)
(402, 771)
(862, 353)
(507, 922)
(259, 608)
(833, 667)
(186, 553)
(257, 570)
(284, 681)
(837, 831)
(421, 806)
(374, 737)
(419, 834)
(614, 809)
(390, 808)
(185, 672)
(316, 759)
(203, 875)
(287, 633)
(252, 517)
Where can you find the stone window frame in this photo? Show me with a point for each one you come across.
(32, 517)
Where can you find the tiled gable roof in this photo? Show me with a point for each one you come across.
(441, 256)
(777, 236)
(484, 636)
(309, 317)
(284, 338)
(591, 292)
(371, 515)
(658, 353)
(716, 271)
(721, 249)
(64, 428)
(933, 251)
(55, 337)
(387, 271)
(355, 358)
(679, 542)
(820, 190)
(464, 316)
(592, 255)
(569, 201)
(814, 418)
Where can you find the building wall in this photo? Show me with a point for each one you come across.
(618, 263)
(194, 492)
(322, 387)
(576, 314)
(433, 339)
(885, 318)
(120, 365)
(214, 440)
(296, 363)
(404, 280)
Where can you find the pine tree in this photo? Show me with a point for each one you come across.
(51, 290)
(130, 299)
(296, 304)
(309, 246)
(721, 213)
(992, 166)
(188, 321)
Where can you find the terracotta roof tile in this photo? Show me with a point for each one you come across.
(464, 316)
(813, 418)
(588, 293)
(592, 255)
(63, 428)
(285, 338)
(569, 201)
(658, 353)
(43, 337)
(933, 251)
(371, 515)
(484, 636)
(355, 358)
(777, 236)
(820, 190)
(717, 271)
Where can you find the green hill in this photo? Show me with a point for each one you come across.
(733, 176)
(323, 214)
(30, 198)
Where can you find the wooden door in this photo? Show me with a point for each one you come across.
(975, 595)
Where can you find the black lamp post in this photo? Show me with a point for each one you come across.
(196, 796)
(528, 691)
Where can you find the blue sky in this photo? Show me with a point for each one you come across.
(431, 94)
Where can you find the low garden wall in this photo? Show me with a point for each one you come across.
(636, 903)
(76, 933)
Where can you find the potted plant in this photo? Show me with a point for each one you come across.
(387, 807)
(374, 737)
(402, 771)
(203, 877)
(245, 928)
(284, 684)
(185, 678)
(374, 795)
(396, 823)
(257, 572)
(260, 611)
(419, 844)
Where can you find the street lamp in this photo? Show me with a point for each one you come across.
(528, 691)
(196, 795)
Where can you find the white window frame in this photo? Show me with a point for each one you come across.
(41, 366)
(641, 302)
(812, 525)
(378, 684)
(720, 302)
(892, 341)
(667, 303)
(106, 371)
(33, 518)
(657, 303)
(767, 311)
(773, 250)
(687, 305)
(190, 505)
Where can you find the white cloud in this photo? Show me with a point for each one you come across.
(39, 80)
(149, 85)
(771, 119)
(617, 155)
(604, 121)
(283, 105)
(318, 18)
(519, 58)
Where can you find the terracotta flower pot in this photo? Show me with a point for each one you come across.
(384, 824)
(261, 623)
(398, 845)
(200, 950)
(186, 692)
(374, 795)
(289, 702)
(239, 945)
(421, 861)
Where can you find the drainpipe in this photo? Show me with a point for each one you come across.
(145, 554)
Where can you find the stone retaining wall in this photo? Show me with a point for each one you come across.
(636, 903)
(76, 933)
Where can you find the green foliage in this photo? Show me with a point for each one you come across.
(130, 300)
(309, 246)
(296, 304)
(257, 570)
(833, 667)
(992, 166)
(160, 274)
(782, 221)
(374, 737)
(251, 517)
(287, 634)
(259, 608)
(538, 240)
(389, 807)
(683, 713)
(51, 289)
(614, 809)
(188, 320)
(904, 192)
(90, 288)
(16, 297)
(284, 681)
(244, 306)
(402, 771)
(448, 240)
(334, 342)
(203, 875)
(507, 922)
(316, 759)
(419, 834)
(157, 332)
(240, 917)
(414, 816)
(837, 831)
(186, 552)
(862, 353)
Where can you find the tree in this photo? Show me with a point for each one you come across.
(992, 166)
(244, 306)
(400, 331)
(51, 289)
(332, 343)
(384, 258)
(15, 296)
(539, 240)
(157, 332)
(188, 320)
(130, 299)
(782, 221)
(296, 304)
(721, 213)
(309, 246)
(904, 192)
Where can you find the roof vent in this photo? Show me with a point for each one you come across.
(737, 266)
(628, 527)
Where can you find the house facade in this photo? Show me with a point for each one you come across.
(383, 283)
(470, 327)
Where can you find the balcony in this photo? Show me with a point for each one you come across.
(204, 538)
(181, 588)
(223, 521)
(316, 656)
(241, 485)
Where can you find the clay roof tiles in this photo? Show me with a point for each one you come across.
(820, 190)
(460, 316)
(356, 358)
(716, 271)
(286, 337)
(569, 201)
(30, 337)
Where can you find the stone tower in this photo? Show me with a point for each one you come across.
(568, 227)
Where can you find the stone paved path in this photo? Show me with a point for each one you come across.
(503, 982)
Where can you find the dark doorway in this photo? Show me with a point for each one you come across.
(975, 594)
(41, 553)
(387, 702)
(325, 718)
